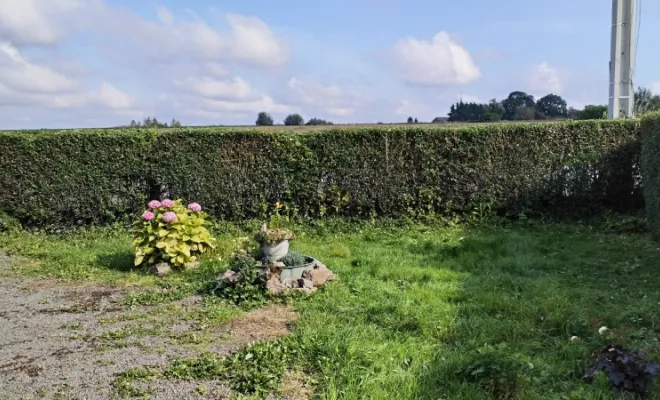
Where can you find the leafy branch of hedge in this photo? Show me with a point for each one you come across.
(650, 127)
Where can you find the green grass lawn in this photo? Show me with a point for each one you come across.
(418, 311)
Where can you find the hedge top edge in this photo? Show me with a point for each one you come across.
(471, 128)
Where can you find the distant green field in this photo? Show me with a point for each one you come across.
(301, 128)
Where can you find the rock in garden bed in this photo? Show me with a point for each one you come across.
(626, 370)
(278, 279)
(160, 269)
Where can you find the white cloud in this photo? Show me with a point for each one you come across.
(431, 106)
(339, 111)
(19, 74)
(164, 15)
(409, 108)
(442, 61)
(182, 63)
(228, 89)
(179, 48)
(112, 97)
(264, 103)
(36, 22)
(248, 41)
(27, 84)
(211, 98)
(544, 78)
(330, 99)
(221, 110)
(253, 42)
(106, 95)
(217, 69)
(425, 108)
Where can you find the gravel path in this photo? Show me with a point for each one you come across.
(64, 341)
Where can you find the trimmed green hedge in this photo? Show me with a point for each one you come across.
(567, 169)
(73, 177)
(651, 169)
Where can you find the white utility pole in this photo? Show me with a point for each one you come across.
(622, 58)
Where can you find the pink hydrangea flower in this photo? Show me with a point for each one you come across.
(169, 217)
(167, 203)
(153, 204)
(194, 207)
(148, 216)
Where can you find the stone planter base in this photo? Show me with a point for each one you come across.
(280, 279)
(291, 272)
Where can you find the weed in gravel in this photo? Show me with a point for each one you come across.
(72, 326)
(124, 333)
(190, 338)
(125, 383)
(256, 369)
(248, 293)
(213, 312)
(118, 338)
(123, 318)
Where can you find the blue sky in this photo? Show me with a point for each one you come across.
(85, 63)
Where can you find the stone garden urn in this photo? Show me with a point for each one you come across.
(275, 251)
(274, 242)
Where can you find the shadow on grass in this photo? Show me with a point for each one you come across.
(526, 293)
(121, 261)
(480, 314)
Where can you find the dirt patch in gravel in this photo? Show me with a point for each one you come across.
(70, 341)
(296, 386)
(266, 323)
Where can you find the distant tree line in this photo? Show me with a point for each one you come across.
(520, 106)
(645, 101)
(265, 119)
(154, 123)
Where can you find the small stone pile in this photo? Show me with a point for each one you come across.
(308, 283)
(163, 269)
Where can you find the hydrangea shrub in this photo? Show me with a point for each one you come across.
(171, 232)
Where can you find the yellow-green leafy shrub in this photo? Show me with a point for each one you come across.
(170, 232)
